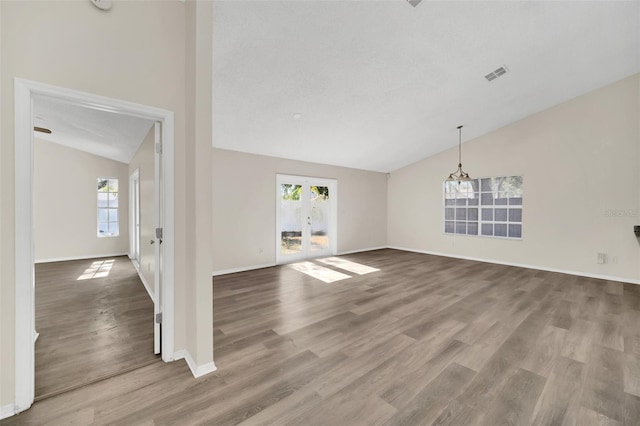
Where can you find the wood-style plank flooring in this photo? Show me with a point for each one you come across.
(425, 340)
(95, 319)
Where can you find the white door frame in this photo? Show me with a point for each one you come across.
(158, 184)
(332, 184)
(134, 217)
(24, 92)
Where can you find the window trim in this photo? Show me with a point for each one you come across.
(479, 207)
(98, 208)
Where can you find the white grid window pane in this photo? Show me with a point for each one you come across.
(113, 200)
(500, 200)
(486, 199)
(103, 215)
(515, 231)
(449, 227)
(500, 230)
(515, 215)
(107, 203)
(103, 228)
(103, 199)
(500, 215)
(472, 228)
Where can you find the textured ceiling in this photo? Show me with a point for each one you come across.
(381, 84)
(102, 133)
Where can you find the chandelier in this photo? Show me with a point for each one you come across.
(459, 175)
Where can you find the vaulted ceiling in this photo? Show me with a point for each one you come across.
(378, 85)
(103, 133)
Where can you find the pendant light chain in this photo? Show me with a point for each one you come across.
(459, 175)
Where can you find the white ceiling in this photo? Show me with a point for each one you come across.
(102, 133)
(381, 84)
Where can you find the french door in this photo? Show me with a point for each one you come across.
(306, 210)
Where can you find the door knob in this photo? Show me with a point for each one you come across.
(152, 242)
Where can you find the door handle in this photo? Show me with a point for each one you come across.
(152, 242)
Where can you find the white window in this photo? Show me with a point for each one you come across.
(108, 207)
(490, 207)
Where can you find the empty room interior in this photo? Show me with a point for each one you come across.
(391, 212)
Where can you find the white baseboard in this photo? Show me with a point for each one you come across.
(7, 411)
(196, 370)
(361, 250)
(146, 287)
(136, 265)
(144, 282)
(268, 265)
(522, 265)
(64, 259)
(242, 269)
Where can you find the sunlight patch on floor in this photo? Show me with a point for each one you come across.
(347, 265)
(98, 269)
(319, 272)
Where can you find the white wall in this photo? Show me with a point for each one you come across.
(66, 203)
(199, 129)
(244, 207)
(135, 52)
(579, 160)
(144, 162)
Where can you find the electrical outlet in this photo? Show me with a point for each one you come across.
(602, 258)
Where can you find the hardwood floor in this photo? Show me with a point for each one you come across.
(95, 319)
(425, 340)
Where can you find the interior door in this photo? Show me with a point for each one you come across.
(157, 300)
(134, 191)
(305, 218)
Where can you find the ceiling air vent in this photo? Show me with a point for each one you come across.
(496, 73)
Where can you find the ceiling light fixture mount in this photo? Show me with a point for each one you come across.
(459, 175)
(102, 4)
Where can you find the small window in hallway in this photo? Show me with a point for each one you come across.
(108, 207)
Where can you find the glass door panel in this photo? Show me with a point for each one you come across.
(318, 219)
(290, 219)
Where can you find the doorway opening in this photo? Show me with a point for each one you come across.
(306, 213)
(26, 92)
